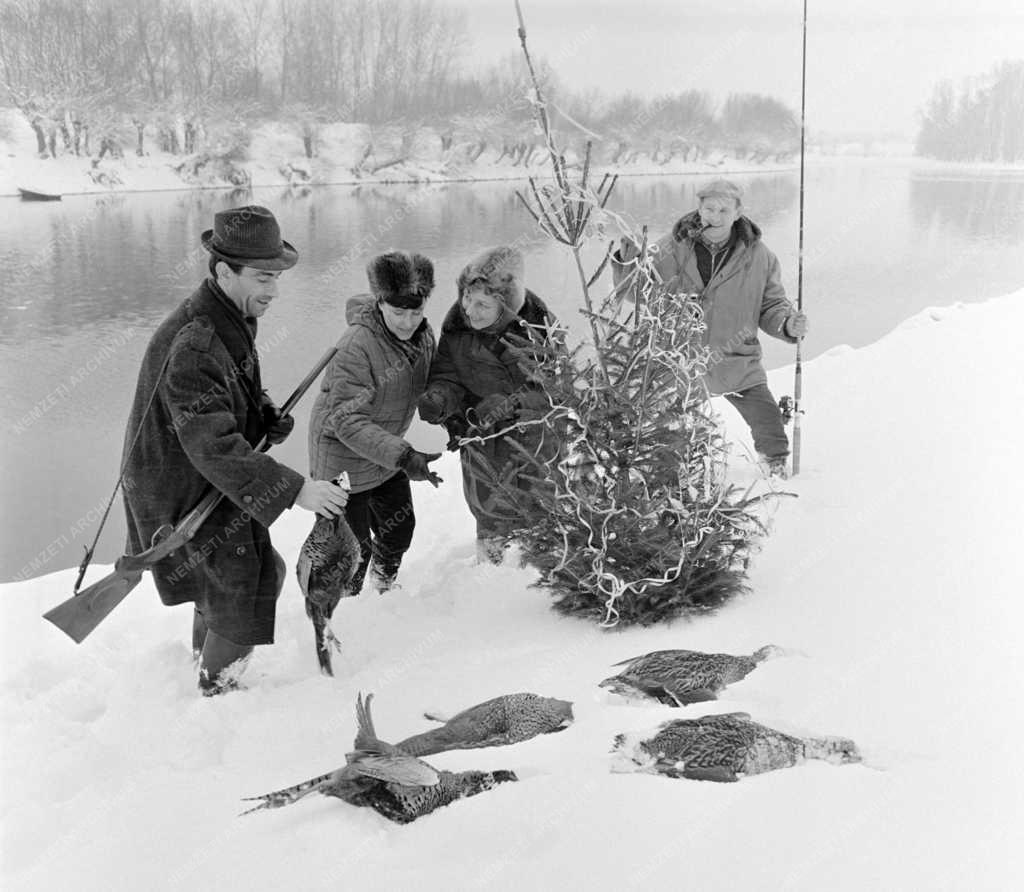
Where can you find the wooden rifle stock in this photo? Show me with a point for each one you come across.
(83, 612)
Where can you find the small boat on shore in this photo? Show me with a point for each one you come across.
(30, 195)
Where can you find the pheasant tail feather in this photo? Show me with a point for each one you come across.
(288, 795)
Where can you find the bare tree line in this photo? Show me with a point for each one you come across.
(687, 125)
(983, 120)
(97, 76)
(82, 67)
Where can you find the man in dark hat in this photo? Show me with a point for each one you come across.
(199, 410)
(366, 405)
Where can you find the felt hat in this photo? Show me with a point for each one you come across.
(249, 236)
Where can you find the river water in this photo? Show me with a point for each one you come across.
(86, 280)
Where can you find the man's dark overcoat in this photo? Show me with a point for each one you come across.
(200, 430)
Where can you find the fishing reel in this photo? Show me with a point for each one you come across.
(787, 406)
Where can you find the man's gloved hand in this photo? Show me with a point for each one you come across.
(492, 410)
(276, 426)
(796, 325)
(415, 465)
(431, 407)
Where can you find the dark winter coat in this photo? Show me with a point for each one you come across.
(470, 365)
(744, 295)
(200, 430)
(367, 398)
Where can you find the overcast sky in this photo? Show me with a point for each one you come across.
(871, 63)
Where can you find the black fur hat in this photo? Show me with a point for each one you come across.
(401, 279)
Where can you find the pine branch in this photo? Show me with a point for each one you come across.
(604, 263)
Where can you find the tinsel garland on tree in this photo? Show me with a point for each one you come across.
(632, 521)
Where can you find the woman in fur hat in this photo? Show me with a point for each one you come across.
(478, 387)
(365, 407)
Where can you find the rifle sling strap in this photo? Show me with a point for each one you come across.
(124, 464)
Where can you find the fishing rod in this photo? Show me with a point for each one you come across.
(798, 379)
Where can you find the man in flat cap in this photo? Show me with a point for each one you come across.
(716, 252)
(198, 414)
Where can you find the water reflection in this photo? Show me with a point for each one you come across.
(976, 207)
(99, 261)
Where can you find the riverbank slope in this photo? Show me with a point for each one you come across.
(275, 156)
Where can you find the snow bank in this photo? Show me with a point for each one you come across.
(894, 572)
(276, 157)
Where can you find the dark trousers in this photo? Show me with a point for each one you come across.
(761, 413)
(383, 521)
(216, 653)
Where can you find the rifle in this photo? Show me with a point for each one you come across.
(83, 612)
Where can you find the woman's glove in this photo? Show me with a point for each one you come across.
(492, 410)
(527, 354)
(533, 405)
(431, 407)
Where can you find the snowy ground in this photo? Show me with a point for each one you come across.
(895, 572)
(276, 158)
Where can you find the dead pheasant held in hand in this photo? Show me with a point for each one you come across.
(724, 748)
(510, 718)
(327, 563)
(679, 677)
(398, 786)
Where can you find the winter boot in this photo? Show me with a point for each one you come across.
(198, 636)
(358, 578)
(221, 663)
(490, 550)
(382, 577)
(774, 466)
